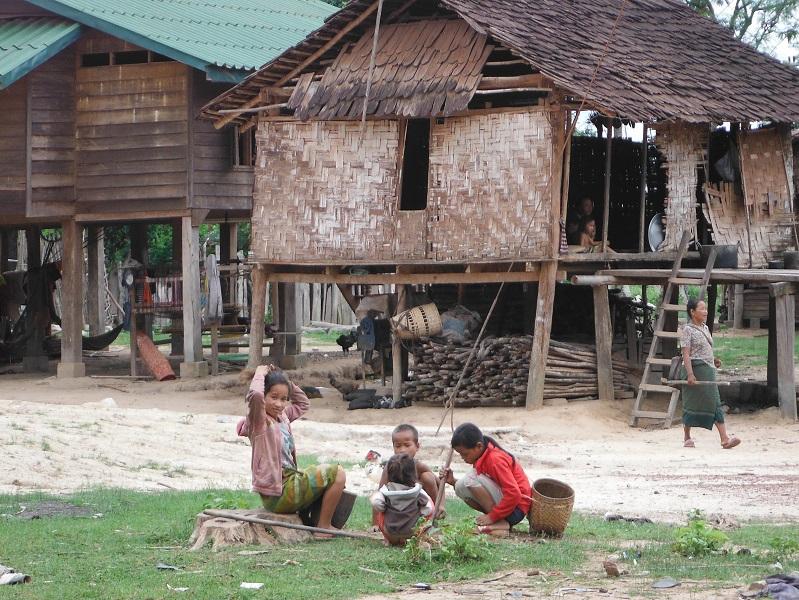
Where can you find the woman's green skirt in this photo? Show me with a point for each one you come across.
(701, 404)
(301, 488)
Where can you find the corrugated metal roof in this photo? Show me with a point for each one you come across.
(232, 34)
(25, 43)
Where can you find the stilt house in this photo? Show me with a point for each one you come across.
(98, 107)
(430, 141)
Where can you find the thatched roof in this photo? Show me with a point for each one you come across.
(664, 61)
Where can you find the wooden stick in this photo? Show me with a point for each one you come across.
(677, 382)
(606, 207)
(642, 208)
(372, 60)
(336, 532)
(442, 485)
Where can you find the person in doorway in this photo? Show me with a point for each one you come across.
(701, 401)
(574, 229)
(273, 403)
(497, 486)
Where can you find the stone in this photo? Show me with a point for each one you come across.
(70, 370)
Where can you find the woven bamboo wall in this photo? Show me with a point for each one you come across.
(684, 147)
(489, 177)
(324, 193)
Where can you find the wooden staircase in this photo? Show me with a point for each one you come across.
(657, 366)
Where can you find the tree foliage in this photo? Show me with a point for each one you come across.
(753, 21)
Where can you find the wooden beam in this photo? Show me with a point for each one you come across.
(396, 347)
(642, 196)
(346, 292)
(95, 280)
(192, 326)
(604, 342)
(533, 80)
(253, 109)
(515, 90)
(71, 364)
(543, 325)
(608, 165)
(786, 382)
(405, 278)
(298, 69)
(257, 311)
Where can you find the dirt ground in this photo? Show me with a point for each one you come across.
(64, 435)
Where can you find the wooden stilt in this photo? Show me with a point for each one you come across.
(396, 349)
(543, 325)
(257, 316)
(71, 364)
(604, 342)
(37, 321)
(176, 346)
(786, 381)
(95, 280)
(277, 349)
(771, 370)
(738, 307)
(193, 364)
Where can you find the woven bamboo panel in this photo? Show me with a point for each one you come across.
(770, 235)
(765, 179)
(324, 191)
(489, 177)
(684, 148)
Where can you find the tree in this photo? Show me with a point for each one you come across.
(755, 22)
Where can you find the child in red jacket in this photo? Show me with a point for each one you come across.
(497, 487)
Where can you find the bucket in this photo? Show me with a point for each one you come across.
(551, 508)
(421, 321)
(791, 259)
(726, 258)
(340, 515)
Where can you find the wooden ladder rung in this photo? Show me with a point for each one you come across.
(685, 281)
(669, 335)
(650, 414)
(674, 307)
(654, 387)
(666, 362)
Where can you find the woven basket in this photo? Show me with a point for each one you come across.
(421, 321)
(551, 508)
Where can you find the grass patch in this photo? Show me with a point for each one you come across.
(326, 338)
(114, 556)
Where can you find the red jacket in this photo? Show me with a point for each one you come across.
(509, 475)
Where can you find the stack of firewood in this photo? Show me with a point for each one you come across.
(498, 373)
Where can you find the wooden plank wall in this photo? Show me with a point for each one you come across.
(20, 8)
(12, 149)
(217, 184)
(489, 178)
(52, 107)
(132, 133)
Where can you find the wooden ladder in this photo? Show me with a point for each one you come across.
(662, 364)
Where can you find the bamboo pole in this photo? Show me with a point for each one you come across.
(642, 208)
(606, 207)
(269, 523)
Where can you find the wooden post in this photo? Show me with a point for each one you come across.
(72, 298)
(396, 348)
(134, 347)
(642, 208)
(668, 347)
(279, 341)
(738, 307)
(95, 280)
(34, 358)
(786, 384)
(193, 364)
(712, 293)
(606, 207)
(176, 346)
(543, 325)
(604, 342)
(771, 370)
(257, 311)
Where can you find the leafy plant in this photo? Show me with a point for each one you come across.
(783, 548)
(698, 538)
(452, 543)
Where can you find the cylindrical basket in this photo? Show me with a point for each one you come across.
(551, 508)
(418, 322)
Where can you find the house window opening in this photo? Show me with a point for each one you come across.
(244, 150)
(134, 57)
(98, 59)
(415, 165)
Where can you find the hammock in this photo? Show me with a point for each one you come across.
(92, 343)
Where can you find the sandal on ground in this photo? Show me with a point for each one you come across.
(689, 443)
(731, 442)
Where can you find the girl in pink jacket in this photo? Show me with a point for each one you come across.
(273, 403)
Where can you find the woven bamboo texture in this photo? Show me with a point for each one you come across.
(551, 508)
(765, 178)
(489, 178)
(324, 193)
(684, 148)
(422, 69)
(724, 209)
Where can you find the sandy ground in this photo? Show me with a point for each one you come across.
(61, 435)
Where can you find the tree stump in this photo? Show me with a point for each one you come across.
(223, 532)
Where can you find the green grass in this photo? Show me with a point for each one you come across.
(745, 351)
(114, 555)
(327, 338)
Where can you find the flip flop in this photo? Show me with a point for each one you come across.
(731, 442)
(689, 443)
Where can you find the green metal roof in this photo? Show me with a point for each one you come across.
(25, 43)
(217, 36)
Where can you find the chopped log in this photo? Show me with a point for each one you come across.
(221, 531)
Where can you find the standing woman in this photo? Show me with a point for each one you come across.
(701, 404)
(273, 402)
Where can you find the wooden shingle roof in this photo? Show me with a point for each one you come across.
(664, 62)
